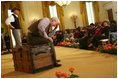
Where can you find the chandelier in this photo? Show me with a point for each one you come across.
(63, 3)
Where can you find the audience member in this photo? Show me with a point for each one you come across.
(7, 40)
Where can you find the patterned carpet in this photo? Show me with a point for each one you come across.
(87, 64)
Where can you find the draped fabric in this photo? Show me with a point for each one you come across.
(96, 10)
(60, 16)
(84, 13)
(46, 12)
(5, 6)
(4, 15)
(45, 7)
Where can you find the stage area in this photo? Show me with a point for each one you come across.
(87, 64)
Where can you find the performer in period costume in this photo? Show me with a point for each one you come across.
(13, 22)
(39, 34)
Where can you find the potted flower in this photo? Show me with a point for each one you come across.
(60, 74)
(109, 48)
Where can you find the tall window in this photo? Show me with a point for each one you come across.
(53, 13)
(90, 12)
(13, 40)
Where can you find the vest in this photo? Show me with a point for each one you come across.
(16, 22)
(33, 28)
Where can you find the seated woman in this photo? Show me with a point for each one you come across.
(105, 30)
(101, 33)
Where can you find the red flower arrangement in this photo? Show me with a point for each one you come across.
(72, 69)
(6, 51)
(63, 75)
(60, 74)
(109, 48)
(68, 44)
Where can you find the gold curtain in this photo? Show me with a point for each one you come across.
(84, 12)
(4, 15)
(60, 16)
(45, 7)
(46, 12)
(5, 6)
(96, 10)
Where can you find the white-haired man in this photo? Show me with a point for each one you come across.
(39, 33)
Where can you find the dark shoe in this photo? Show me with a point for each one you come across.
(58, 60)
(57, 65)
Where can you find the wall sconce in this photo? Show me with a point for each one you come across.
(74, 18)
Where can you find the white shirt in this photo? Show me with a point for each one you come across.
(10, 19)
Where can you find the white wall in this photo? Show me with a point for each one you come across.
(72, 9)
(104, 6)
(32, 11)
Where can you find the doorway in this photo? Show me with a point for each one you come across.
(110, 14)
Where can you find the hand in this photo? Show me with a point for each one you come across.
(55, 27)
(11, 27)
(51, 40)
(103, 34)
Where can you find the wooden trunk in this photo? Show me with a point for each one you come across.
(32, 59)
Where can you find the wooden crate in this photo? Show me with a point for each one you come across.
(32, 59)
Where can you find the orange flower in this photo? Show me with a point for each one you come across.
(58, 73)
(62, 43)
(108, 45)
(2, 52)
(77, 43)
(69, 45)
(74, 43)
(63, 75)
(10, 50)
(71, 69)
(105, 48)
(115, 47)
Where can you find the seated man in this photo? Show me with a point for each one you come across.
(39, 34)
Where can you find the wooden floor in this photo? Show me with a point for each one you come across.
(87, 64)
